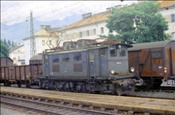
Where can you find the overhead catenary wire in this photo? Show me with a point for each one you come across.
(44, 13)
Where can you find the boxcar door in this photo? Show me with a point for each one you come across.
(156, 65)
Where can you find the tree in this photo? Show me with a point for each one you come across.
(9, 43)
(138, 23)
(4, 50)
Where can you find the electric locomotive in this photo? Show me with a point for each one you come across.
(81, 67)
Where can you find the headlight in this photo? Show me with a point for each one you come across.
(165, 71)
(112, 71)
(132, 69)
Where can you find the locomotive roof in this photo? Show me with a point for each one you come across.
(149, 45)
(81, 50)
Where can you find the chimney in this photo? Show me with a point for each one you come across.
(45, 27)
(108, 9)
(118, 6)
(87, 15)
(42, 27)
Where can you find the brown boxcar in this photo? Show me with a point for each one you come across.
(154, 61)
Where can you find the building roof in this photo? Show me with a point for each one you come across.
(159, 44)
(15, 48)
(44, 33)
(166, 3)
(103, 16)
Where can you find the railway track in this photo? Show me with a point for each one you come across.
(162, 93)
(50, 107)
(101, 104)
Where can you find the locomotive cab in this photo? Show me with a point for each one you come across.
(118, 61)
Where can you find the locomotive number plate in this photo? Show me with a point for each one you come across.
(118, 62)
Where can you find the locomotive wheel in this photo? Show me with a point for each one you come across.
(19, 84)
(28, 85)
(5, 84)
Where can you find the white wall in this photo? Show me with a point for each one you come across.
(40, 47)
(73, 34)
(17, 55)
(167, 15)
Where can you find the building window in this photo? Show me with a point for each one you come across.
(87, 32)
(173, 17)
(94, 31)
(102, 30)
(43, 42)
(173, 35)
(18, 57)
(80, 34)
(57, 41)
(50, 42)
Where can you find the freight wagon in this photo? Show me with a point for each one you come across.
(153, 62)
(24, 74)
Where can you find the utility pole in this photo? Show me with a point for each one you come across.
(32, 38)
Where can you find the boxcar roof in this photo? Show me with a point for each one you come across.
(150, 45)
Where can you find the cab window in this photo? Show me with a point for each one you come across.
(122, 51)
(102, 52)
(113, 51)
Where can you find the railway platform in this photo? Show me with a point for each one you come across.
(135, 104)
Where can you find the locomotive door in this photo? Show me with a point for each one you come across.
(91, 55)
(46, 66)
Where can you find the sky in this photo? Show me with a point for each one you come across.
(16, 12)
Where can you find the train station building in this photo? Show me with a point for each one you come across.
(91, 26)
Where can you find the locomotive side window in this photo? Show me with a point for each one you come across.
(55, 59)
(65, 57)
(102, 52)
(122, 51)
(77, 56)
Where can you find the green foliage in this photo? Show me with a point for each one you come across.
(4, 49)
(138, 23)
